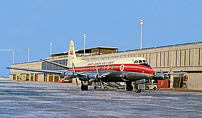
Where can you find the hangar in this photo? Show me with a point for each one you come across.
(181, 57)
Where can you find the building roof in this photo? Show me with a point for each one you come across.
(87, 50)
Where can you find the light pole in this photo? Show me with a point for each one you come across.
(50, 49)
(141, 23)
(13, 56)
(28, 54)
(84, 37)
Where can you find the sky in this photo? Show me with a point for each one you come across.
(113, 23)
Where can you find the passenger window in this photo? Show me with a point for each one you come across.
(140, 61)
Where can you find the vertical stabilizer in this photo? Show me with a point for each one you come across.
(71, 53)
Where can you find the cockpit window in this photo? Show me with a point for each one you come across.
(136, 61)
(140, 62)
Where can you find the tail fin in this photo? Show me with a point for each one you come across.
(71, 55)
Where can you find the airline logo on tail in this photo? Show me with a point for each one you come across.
(71, 52)
(72, 56)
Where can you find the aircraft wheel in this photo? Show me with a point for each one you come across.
(129, 88)
(138, 90)
(105, 88)
(94, 87)
(147, 88)
(84, 87)
(154, 88)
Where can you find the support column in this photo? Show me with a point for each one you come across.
(47, 77)
(172, 80)
(53, 77)
(29, 77)
(34, 77)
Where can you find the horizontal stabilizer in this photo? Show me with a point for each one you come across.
(176, 73)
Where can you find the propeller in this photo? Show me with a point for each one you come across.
(165, 75)
(169, 73)
(98, 77)
(74, 74)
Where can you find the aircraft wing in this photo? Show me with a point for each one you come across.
(57, 64)
(37, 70)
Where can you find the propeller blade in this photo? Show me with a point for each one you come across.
(77, 82)
(98, 76)
(101, 84)
(97, 71)
(170, 70)
(74, 71)
(163, 74)
(163, 82)
(169, 74)
(163, 77)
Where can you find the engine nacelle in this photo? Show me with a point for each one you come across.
(91, 75)
(158, 77)
(68, 74)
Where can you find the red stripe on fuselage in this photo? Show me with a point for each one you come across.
(116, 67)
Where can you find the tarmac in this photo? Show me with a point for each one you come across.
(35, 99)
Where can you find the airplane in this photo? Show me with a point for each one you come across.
(107, 70)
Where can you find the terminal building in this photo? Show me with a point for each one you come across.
(181, 58)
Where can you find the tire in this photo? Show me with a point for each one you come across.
(82, 87)
(138, 90)
(154, 88)
(129, 88)
(147, 88)
(86, 87)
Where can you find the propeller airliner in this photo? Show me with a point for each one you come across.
(110, 70)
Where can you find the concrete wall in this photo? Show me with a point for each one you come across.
(194, 80)
(41, 77)
(34, 65)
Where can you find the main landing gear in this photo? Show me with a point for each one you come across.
(129, 87)
(83, 87)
